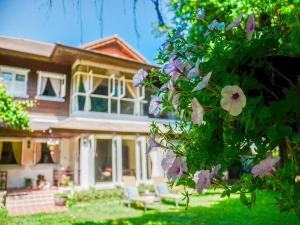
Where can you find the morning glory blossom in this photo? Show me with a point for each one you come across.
(202, 180)
(201, 13)
(216, 25)
(167, 162)
(233, 100)
(194, 72)
(215, 170)
(153, 143)
(139, 77)
(250, 26)
(264, 167)
(175, 67)
(156, 106)
(203, 83)
(198, 112)
(176, 169)
(236, 22)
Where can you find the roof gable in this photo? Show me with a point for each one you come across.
(115, 46)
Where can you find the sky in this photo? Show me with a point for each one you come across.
(34, 19)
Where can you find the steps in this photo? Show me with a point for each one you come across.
(29, 202)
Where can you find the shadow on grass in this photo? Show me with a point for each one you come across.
(227, 212)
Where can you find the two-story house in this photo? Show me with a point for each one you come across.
(89, 122)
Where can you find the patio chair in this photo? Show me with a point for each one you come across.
(162, 190)
(132, 194)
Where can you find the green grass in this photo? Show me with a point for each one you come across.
(204, 209)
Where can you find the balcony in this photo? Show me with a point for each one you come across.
(98, 91)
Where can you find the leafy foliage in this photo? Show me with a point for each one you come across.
(13, 113)
(264, 64)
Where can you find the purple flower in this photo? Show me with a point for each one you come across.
(195, 72)
(153, 143)
(236, 22)
(203, 83)
(155, 106)
(174, 166)
(175, 67)
(176, 169)
(250, 26)
(215, 170)
(139, 77)
(202, 180)
(201, 13)
(198, 112)
(167, 162)
(264, 167)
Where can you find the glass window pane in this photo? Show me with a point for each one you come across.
(103, 161)
(127, 107)
(131, 92)
(114, 106)
(128, 158)
(99, 104)
(6, 76)
(81, 102)
(20, 77)
(100, 86)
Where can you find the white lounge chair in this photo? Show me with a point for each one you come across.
(132, 194)
(162, 190)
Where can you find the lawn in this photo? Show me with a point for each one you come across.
(205, 209)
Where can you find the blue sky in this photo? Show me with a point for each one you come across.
(32, 19)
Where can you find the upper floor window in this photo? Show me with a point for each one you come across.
(51, 86)
(111, 93)
(15, 80)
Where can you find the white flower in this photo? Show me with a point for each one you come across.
(203, 83)
(194, 72)
(198, 112)
(233, 100)
(139, 77)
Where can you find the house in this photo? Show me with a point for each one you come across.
(90, 124)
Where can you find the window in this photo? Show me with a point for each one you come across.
(107, 94)
(45, 154)
(15, 80)
(51, 86)
(10, 152)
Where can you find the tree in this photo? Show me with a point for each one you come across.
(230, 74)
(13, 113)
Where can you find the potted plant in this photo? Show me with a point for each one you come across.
(41, 181)
(28, 183)
(60, 199)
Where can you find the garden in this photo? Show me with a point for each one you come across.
(229, 73)
(105, 207)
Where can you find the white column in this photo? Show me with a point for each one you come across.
(117, 160)
(87, 161)
(156, 158)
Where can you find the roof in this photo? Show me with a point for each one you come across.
(27, 46)
(113, 47)
(116, 46)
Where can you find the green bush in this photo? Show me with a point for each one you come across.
(93, 194)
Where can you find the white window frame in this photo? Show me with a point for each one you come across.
(14, 71)
(55, 76)
(113, 80)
